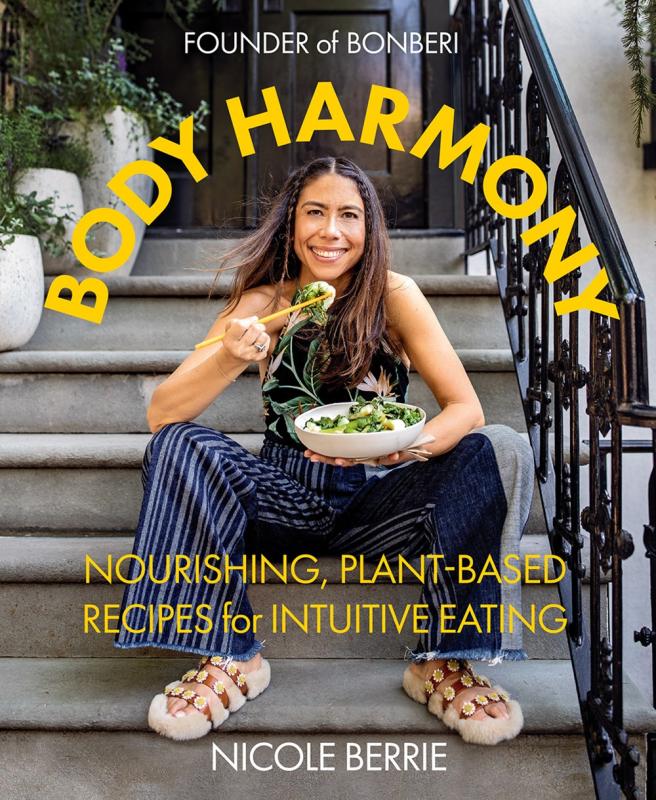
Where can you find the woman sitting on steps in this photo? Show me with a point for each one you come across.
(206, 494)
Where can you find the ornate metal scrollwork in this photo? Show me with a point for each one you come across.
(550, 370)
(569, 375)
(601, 745)
(512, 64)
(598, 525)
(601, 401)
(537, 138)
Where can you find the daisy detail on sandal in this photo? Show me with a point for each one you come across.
(211, 692)
(464, 701)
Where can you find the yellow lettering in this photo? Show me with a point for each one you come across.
(418, 618)
(382, 568)
(91, 614)
(562, 223)
(130, 557)
(374, 117)
(325, 95)
(538, 189)
(124, 618)
(399, 623)
(465, 566)
(512, 569)
(207, 619)
(489, 570)
(469, 618)
(111, 617)
(103, 263)
(562, 621)
(145, 212)
(272, 116)
(589, 299)
(183, 149)
(88, 562)
(166, 613)
(75, 307)
(349, 564)
(474, 142)
(561, 563)
(181, 617)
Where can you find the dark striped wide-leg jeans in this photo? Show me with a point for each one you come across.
(206, 494)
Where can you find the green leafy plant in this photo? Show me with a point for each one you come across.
(639, 26)
(58, 34)
(22, 147)
(30, 138)
(24, 214)
(94, 88)
(78, 66)
(59, 150)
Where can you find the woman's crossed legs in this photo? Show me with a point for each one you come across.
(203, 490)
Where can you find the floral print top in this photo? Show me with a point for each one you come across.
(292, 382)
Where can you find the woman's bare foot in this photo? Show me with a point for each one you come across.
(424, 670)
(179, 708)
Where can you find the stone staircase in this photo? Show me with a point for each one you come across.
(72, 435)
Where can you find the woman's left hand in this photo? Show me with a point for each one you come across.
(382, 461)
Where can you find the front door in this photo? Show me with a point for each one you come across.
(230, 196)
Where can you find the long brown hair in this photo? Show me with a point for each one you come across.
(357, 319)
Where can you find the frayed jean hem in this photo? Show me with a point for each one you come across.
(257, 646)
(475, 654)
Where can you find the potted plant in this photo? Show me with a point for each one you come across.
(78, 66)
(59, 164)
(115, 118)
(25, 220)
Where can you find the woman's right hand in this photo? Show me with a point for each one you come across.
(241, 336)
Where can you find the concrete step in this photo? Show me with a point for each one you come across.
(44, 589)
(109, 392)
(83, 721)
(413, 253)
(55, 482)
(81, 482)
(175, 312)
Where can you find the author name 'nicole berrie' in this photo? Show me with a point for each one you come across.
(322, 756)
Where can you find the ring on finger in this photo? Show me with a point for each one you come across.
(259, 345)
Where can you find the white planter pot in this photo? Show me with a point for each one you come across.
(64, 188)
(129, 142)
(21, 291)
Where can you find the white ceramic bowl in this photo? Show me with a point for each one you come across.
(355, 445)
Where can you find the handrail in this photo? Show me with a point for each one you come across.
(601, 222)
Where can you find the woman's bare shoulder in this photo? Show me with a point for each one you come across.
(401, 291)
(396, 281)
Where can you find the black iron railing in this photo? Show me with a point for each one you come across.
(575, 397)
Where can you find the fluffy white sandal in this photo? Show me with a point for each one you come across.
(232, 693)
(491, 730)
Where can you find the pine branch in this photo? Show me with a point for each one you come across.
(638, 14)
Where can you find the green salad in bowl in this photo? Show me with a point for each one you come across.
(367, 416)
(361, 429)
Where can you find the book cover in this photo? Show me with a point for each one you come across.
(325, 450)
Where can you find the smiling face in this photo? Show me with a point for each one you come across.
(329, 230)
